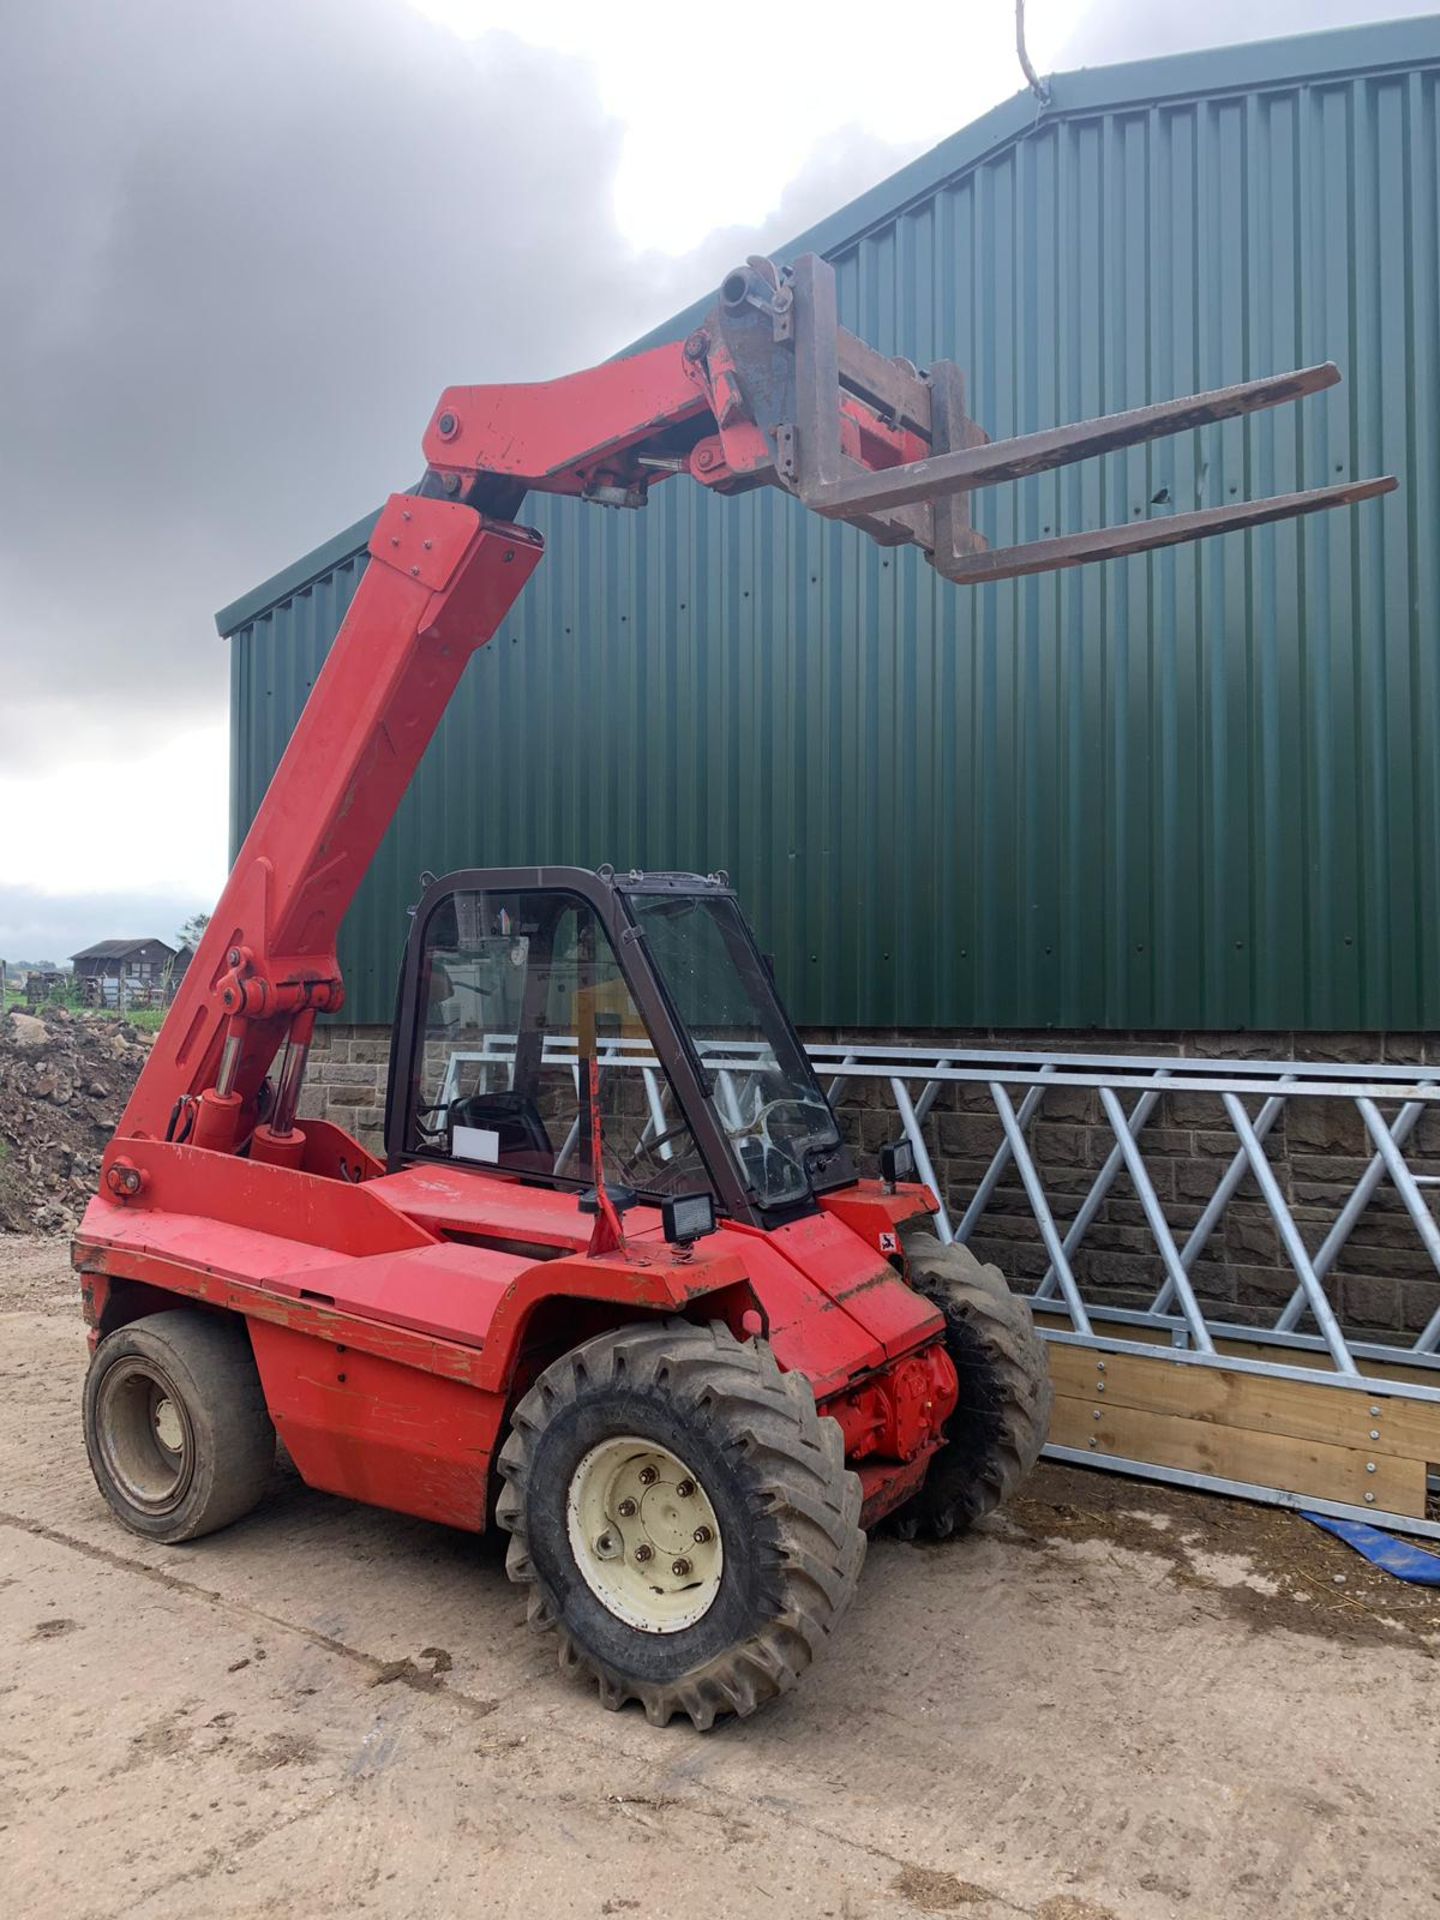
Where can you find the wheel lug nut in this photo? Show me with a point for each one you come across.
(680, 1567)
(685, 1489)
(644, 1553)
(627, 1509)
(648, 1476)
(702, 1536)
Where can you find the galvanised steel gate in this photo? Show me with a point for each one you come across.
(1298, 1410)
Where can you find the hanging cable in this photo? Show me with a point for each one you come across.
(1037, 85)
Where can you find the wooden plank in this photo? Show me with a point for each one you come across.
(1409, 1429)
(1418, 1375)
(1310, 1468)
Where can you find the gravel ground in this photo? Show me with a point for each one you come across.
(1114, 1703)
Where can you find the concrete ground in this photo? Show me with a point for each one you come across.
(1118, 1701)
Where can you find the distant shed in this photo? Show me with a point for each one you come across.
(141, 965)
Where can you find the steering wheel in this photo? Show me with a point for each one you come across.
(755, 1135)
(432, 1133)
(650, 1149)
(759, 1125)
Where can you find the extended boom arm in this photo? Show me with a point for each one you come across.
(770, 391)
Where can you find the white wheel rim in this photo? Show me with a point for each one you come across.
(168, 1430)
(144, 1434)
(644, 1535)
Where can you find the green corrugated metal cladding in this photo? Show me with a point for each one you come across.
(1193, 789)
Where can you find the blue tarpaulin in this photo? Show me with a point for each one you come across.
(1384, 1550)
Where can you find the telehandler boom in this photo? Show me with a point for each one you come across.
(616, 1282)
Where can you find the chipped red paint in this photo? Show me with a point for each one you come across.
(872, 1212)
(372, 1428)
(886, 1486)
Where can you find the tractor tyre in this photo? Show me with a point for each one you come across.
(995, 1434)
(683, 1517)
(176, 1427)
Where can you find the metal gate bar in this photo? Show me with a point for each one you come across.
(1415, 1206)
(991, 1178)
(1176, 1273)
(1099, 1192)
(1217, 1203)
(1294, 1244)
(1035, 1193)
(1294, 1309)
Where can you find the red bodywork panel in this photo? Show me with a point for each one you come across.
(557, 435)
(393, 1323)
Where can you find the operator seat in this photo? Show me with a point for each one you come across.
(524, 1144)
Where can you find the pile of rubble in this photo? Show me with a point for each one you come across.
(64, 1081)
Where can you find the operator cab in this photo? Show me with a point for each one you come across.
(516, 979)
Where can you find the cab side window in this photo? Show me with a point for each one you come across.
(519, 991)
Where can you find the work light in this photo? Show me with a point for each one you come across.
(897, 1163)
(688, 1217)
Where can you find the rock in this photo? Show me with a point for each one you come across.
(50, 1084)
(26, 1029)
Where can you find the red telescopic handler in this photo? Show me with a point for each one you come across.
(616, 1284)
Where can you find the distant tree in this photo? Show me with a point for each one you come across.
(189, 934)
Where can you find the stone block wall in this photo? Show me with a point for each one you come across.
(1383, 1285)
(345, 1081)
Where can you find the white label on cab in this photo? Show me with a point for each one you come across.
(476, 1143)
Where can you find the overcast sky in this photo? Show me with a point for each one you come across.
(244, 245)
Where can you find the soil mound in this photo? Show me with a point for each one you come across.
(64, 1081)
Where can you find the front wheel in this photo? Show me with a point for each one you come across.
(683, 1516)
(176, 1427)
(998, 1428)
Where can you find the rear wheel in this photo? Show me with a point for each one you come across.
(176, 1427)
(683, 1517)
(998, 1428)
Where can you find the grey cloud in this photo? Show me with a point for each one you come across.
(249, 240)
(241, 250)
